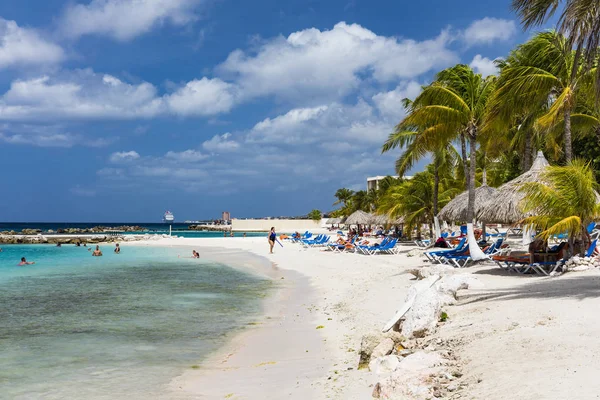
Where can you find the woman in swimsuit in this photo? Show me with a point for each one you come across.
(272, 238)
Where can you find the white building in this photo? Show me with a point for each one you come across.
(373, 182)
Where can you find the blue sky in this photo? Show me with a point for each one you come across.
(116, 110)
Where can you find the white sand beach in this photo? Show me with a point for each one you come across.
(526, 337)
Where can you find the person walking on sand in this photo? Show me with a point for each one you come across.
(272, 238)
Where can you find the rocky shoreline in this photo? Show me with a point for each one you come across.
(76, 231)
(74, 239)
(210, 228)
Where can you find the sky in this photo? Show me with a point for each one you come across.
(117, 110)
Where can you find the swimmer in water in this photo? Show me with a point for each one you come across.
(97, 252)
(25, 262)
(117, 249)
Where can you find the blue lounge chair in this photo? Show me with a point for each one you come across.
(433, 255)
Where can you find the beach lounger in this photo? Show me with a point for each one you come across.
(433, 256)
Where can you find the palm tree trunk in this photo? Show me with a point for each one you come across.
(463, 149)
(527, 157)
(436, 186)
(471, 175)
(567, 137)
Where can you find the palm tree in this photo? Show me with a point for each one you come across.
(343, 196)
(416, 146)
(579, 20)
(542, 71)
(453, 107)
(413, 200)
(564, 201)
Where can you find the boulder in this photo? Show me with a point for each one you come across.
(438, 269)
(367, 344)
(411, 377)
(384, 348)
(448, 286)
(423, 316)
(384, 365)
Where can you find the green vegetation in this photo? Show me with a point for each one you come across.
(546, 96)
(315, 215)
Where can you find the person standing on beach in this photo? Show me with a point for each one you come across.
(272, 238)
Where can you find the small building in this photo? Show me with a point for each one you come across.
(226, 216)
(373, 182)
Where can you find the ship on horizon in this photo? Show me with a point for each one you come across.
(168, 218)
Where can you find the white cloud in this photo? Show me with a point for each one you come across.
(84, 94)
(489, 30)
(202, 97)
(331, 63)
(186, 156)
(49, 136)
(125, 19)
(49, 140)
(359, 123)
(221, 143)
(23, 46)
(123, 156)
(390, 103)
(484, 66)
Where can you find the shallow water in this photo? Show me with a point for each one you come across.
(77, 326)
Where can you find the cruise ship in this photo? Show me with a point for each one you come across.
(168, 217)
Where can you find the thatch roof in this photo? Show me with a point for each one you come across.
(333, 221)
(503, 208)
(359, 218)
(456, 209)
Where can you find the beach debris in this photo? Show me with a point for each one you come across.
(579, 264)
(411, 379)
(411, 295)
(367, 344)
(438, 269)
(384, 365)
(320, 327)
(384, 348)
(423, 315)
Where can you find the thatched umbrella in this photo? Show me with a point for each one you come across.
(503, 207)
(456, 209)
(359, 218)
(333, 221)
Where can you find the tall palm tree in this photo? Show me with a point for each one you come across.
(417, 145)
(564, 201)
(542, 71)
(413, 200)
(453, 107)
(579, 20)
(343, 195)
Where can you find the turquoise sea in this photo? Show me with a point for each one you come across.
(74, 326)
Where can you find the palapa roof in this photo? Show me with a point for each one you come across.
(504, 206)
(359, 218)
(332, 221)
(456, 209)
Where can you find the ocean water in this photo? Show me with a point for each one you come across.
(178, 229)
(74, 326)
